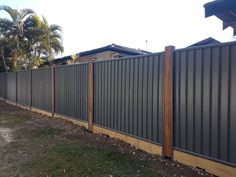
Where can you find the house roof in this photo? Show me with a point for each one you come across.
(62, 60)
(115, 48)
(206, 41)
(225, 10)
(112, 47)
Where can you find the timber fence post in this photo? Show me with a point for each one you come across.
(167, 147)
(53, 91)
(90, 113)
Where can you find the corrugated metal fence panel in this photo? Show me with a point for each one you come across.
(205, 101)
(128, 96)
(23, 87)
(42, 89)
(3, 85)
(71, 90)
(11, 86)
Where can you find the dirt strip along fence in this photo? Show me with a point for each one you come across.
(183, 101)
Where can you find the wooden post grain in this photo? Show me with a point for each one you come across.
(53, 91)
(167, 148)
(90, 114)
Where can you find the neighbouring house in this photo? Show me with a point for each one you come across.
(207, 41)
(112, 51)
(225, 10)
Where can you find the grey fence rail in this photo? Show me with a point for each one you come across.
(128, 97)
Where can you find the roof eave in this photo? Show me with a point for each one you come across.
(218, 7)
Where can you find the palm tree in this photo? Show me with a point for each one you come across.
(43, 42)
(17, 24)
(32, 41)
(3, 45)
(14, 28)
(51, 39)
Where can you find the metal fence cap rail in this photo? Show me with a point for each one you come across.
(206, 46)
(71, 65)
(130, 57)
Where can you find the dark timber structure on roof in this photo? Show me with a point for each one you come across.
(225, 10)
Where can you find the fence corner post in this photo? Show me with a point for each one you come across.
(90, 113)
(167, 147)
(53, 91)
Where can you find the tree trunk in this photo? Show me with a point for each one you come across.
(3, 58)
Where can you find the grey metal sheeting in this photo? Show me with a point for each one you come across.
(42, 89)
(128, 96)
(71, 90)
(23, 87)
(204, 108)
(11, 86)
(3, 85)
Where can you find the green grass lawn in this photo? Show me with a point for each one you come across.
(50, 155)
(66, 158)
(33, 145)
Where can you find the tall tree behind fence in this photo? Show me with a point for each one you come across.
(127, 97)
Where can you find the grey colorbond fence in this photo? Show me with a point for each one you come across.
(23, 87)
(11, 87)
(42, 89)
(205, 101)
(3, 85)
(128, 96)
(71, 91)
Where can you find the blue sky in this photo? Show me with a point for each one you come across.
(89, 24)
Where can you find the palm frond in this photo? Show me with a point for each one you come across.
(56, 35)
(57, 46)
(12, 12)
(5, 23)
(32, 21)
(54, 27)
(25, 12)
(37, 20)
